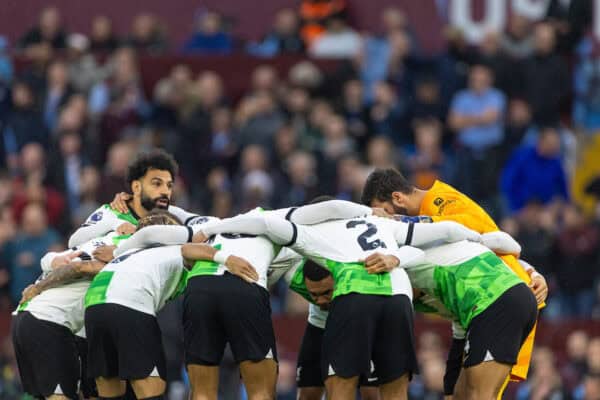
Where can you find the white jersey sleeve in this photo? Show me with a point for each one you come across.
(98, 224)
(286, 261)
(187, 218)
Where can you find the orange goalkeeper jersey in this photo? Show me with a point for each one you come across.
(442, 202)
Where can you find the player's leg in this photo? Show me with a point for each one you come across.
(249, 331)
(152, 386)
(110, 387)
(204, 336)
(339, 388)
(260, 378)
(311, 393)
(308, 371)
(396, 389)
(47, 356)
(348, 343)
(394, 353)
(493, 341)
(204, 381)
(369, 393)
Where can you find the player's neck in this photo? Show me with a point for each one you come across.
(137, 208)
(416, 199)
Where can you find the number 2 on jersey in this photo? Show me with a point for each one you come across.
(363, 238)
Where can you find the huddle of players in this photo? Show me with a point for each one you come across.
(339, 255)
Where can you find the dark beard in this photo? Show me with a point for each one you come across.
(399, 210)
(149, 203)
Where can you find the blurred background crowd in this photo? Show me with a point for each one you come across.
(311, 107)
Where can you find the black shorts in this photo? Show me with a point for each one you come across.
(47, 356)
(123, 343)
(88, 385)
(499, 332)
(369, 335)
(308, 371)
(225, 309)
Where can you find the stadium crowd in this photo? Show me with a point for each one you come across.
(505, 122)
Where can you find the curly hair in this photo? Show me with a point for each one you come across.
(158, 217)
(155, 159)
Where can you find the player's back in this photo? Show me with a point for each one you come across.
(342, 246)
(142, 279)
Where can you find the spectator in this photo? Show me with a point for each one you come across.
(115, 173)
(284, 37)
(67, 166)
(428, 162)
(544, 66)
(147, 35)
(119, 101)
(315, 14)
(355, 112)
(32, 241)
(503, 68)
(388, 114)
(89, 187)
(576, 264)
(518, 124)
(351, 176)
(49, 31)
(223, 146)
(265, 77)
(338, 41)
(535, 173)
(258, 119)
(335, 145)
(428, 101)
(297, 105)
(35, 184)
(476, 112)
(253, 186)
(545, 382)
(210, 37)
(24, 124)
(58, 91)
(320, 111)
(517, 41)
(84, 71)
(589, 389)
(102, 37)
(575, 365)
(303, 181)
(433, 381)
(380, 153)
(586, 82)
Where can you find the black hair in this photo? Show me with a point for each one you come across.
(155, 159)
(158, 217)
(314, 272)
(320, 199)
(381, 183)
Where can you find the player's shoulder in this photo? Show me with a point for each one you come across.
(101, 213)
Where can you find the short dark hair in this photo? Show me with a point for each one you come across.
(314, 272)
(155, 159)
(158, 217)
(381, 183)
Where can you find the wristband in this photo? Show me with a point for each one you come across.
(221, 256)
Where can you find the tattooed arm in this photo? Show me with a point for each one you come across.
(61, 275)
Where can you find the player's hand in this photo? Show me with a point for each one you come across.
(380, 212)
(104, 253)
(242, 268)
(538, 285)
(126, 228)
(29, 293)
(199, 237)
(377, 263)
(64, 259)
(119, 203)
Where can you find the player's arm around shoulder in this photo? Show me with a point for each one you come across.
(238, 266)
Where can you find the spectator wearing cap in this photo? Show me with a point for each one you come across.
(210, 36)
(49, 30)
(284, 37)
